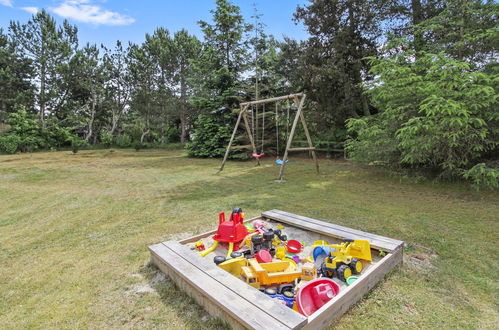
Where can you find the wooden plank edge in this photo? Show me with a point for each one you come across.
(260, 300)
(245, 314)
(331, 232)
(354, 293)
(339, 227)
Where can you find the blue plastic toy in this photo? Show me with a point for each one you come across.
(279, 161)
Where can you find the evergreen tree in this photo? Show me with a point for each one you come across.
(50, 48)
(15, 74)
(218, 77)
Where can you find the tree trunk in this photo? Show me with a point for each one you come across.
(183, 108)
(417, 17)
(92, 117)
(42, 94)
(144, 135)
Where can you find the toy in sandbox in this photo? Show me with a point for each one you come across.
(345, 259)
(265, 259)
(232, 231)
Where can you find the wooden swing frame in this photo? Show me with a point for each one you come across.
(299, 100)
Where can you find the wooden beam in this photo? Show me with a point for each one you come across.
(302, 149)
(266, 305)
(232, 138)
(309, 139)
(290, 138)
(248, 130)
(273, 99)
(246, 146)
(326, 228)
(352, 294)
(210, 293)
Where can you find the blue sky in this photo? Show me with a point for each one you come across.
(105, 21)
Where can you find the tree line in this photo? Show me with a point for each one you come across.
(409, 83)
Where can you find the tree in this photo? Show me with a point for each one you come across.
(15, 73)
(49, 47)
(438, 110)
(143, 72)
(218, 74)
(87, 85)
(186, 49)
(118, 84)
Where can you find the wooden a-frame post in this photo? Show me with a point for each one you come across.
(299, 100)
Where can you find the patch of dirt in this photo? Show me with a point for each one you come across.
(420, 259)
(144, 286)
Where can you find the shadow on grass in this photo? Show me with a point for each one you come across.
(193, 315)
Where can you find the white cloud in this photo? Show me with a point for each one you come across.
(7, 3)
(85, 11)
(31, 10)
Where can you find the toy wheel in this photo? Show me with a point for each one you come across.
(325, 271)
(284, 238)
(257, 239)
(344, 272)
(356, 266)
(218, 260)
(268, 236)
(270, 291)
(236, 254)
(288, 294)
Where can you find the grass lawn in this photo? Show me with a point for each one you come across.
(74, 231)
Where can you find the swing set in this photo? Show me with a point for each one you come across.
(253, 131)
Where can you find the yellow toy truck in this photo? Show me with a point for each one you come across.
(346, 259)
(270, 273)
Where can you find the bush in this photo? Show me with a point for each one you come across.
(9, 143)
(210, 137)
(124, 141)
(436, 113)
(106, 138)
(77, 143)
(482, 175)
(139, 145)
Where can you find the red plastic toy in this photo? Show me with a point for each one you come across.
(315, 294)
(294, 246)
(258, 156)
(263, 256)
(232, 231)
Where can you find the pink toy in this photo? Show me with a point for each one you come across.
(294, 246)
(259, 226)
(263, 256)
(315, 294)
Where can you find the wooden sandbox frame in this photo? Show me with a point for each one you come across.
(244, 307)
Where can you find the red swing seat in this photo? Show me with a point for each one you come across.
(258, 156)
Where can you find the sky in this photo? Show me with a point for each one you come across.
(105, 21)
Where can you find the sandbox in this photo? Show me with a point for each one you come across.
(244, 307)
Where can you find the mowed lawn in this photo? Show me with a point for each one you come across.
(74, 231)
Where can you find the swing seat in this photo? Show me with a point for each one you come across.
(258, 156)
(279, 161)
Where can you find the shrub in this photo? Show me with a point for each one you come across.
(106, 138)
(138, 145)
(210, 137)
(435, 112)
(124, 141)
(77, 143)
(9, 143)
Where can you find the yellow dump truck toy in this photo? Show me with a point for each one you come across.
(346, 259)
(270, 273)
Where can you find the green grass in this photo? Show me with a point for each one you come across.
(74, 231)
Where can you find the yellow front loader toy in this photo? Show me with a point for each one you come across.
(346, 259)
